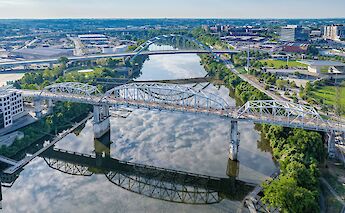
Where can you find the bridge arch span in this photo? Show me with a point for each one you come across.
(75, 88)
(166, 95)
(143, 47)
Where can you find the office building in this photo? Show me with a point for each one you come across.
(11, 106)
(292, 33)
(334, 32)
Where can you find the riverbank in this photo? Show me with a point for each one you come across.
(299, 152)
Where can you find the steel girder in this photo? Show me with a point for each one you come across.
(283, 113)
(72, 88)
(165, 96)
(151, 41)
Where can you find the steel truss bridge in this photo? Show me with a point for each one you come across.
(178, 98)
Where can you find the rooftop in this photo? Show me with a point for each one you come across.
(321, 63)
(5, 91)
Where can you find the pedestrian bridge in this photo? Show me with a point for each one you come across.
(178, 98)
(172, 97)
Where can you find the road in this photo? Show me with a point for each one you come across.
(255, 84)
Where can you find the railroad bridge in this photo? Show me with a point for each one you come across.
(183, 99)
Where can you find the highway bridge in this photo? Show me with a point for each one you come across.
(183, 99)
(51, 61)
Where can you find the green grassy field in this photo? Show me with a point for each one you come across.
(278, 63)
(328, 94)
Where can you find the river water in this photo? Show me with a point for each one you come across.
(190, 143)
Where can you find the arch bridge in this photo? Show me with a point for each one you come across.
(178, 98)
(182, 41)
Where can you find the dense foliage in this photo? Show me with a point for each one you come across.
(298, 152)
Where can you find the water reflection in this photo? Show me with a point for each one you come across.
(178, 142)
(154, 182)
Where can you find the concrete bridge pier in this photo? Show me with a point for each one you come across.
(234, 141)
(101, 122)
(102, 149)
(233, 168)
(331, 144)
(38, 108)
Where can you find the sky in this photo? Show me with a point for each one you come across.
(172, 8)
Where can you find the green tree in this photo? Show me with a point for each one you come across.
(281, 84)
(284, 193)
(63, 61)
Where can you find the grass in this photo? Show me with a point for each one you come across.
(328, 94)
(277, 64)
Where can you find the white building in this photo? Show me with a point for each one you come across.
(324, 67)
(334, 32)
(116, 49)
(11, 106)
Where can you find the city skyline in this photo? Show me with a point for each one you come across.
(37, 9)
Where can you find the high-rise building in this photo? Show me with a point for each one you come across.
(11, 106)
(292, 33)
(334, 32)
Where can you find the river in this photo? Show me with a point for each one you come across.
(190, 143)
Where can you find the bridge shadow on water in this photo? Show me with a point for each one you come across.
(154, 182)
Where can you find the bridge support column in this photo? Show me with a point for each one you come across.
(234, 141)
(38, 108)
(233, 168)
(331, 144)
(101, 121)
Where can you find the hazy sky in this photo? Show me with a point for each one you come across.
(172, 8)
